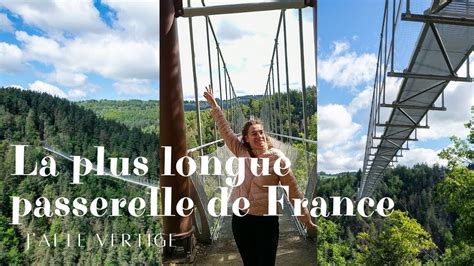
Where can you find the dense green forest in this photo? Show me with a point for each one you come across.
(125, 129)
(32, 118)
(433, 221)
(132, 113)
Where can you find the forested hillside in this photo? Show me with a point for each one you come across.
(252, 105)
(32, 118)
(433, 221)
(143, 114)
(132, 113)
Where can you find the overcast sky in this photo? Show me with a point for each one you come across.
(110, 49)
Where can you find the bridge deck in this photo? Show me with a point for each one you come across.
(292, 249)
(440, 52)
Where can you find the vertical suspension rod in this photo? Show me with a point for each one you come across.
(219, 71)
(210, 68)
(303, 87)
(385, 52)
(226, 96)
(274, 101)
(279, 93)
(193, 62)
(287, 74)
(270, 70)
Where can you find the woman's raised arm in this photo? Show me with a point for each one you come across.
(230, 139)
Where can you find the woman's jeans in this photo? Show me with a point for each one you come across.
(256, 238)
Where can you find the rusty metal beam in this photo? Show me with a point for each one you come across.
(173, 131)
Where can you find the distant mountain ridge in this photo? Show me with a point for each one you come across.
(190, 105)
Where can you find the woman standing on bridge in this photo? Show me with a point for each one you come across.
(256, 235)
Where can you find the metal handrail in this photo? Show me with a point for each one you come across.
(128, 178)
(293, 138)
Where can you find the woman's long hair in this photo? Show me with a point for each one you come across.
(245, 131)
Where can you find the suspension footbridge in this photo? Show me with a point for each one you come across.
(275, 111)
(444, 45)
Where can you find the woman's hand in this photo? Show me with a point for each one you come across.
(209, 95)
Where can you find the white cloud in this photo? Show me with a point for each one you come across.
(335, 126)
(363, 100)
(89, 87)
(347, 140)
(347, 69)
(337, 162)
(5, 23)
(133, 87)
(39, 48)
(421, 155)
(451, 122)
(66, 78)
(137, 20)
(341, 140)
(106, 55)
(41, 86)
(340, 47)
(77, 94)
(11, 58)
(229, 31)
(342, 158)
(58, 17)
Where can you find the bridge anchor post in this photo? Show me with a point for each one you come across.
(179, 230)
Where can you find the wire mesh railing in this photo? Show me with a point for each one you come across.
(273, 111)
(210, 186)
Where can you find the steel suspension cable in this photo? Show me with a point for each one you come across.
(286, 74)
(303, 87)
(193, 62)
